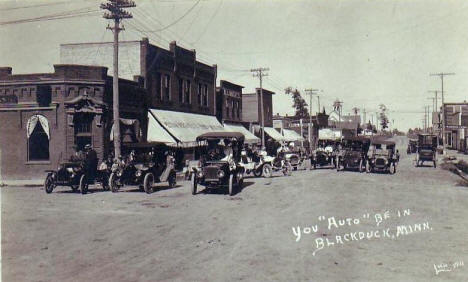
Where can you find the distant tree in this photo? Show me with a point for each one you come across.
(383, 116)
(298, 103)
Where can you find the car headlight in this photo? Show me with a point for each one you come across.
(138, 173)
(220, 173)
(200, 174)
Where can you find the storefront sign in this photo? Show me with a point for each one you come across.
(9, 99)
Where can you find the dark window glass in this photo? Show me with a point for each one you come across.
(38, 144)
(181, 90)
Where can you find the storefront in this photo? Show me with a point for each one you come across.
(47, 117)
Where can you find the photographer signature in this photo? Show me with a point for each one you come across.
(447, 267)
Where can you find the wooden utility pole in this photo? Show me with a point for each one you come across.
(441, 75)
(260, 73)
(310, 92)
(115, 11)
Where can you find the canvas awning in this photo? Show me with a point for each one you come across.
(186, 127)
(291, 135)
(329, 134)
(250, 138)
(273, 133)
(156, 133)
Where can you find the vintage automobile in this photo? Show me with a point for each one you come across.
(148, 163)
(220, 167)
(74, 174)
(325, 154)
(353, 153)
(262, 164)
(426, 150)
(412, 146)
(382, 156)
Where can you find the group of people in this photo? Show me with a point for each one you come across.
(89, 158)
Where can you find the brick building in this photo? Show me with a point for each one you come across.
(45, 115)
(251, 109)
(173, 77)
(229, 102)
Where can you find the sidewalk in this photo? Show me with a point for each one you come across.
(40, 181)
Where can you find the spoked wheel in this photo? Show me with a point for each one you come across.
(74, 188)
(287, 170)
(267, 171)
(83, 184)
(240, 179)
(392, 168)
(368, 167)
(435, 163)
(257, 172)
(172, 180)
(338, 165)
(105, 183)
(148, 183)
(49, 184)
(114, 186)
(194, 184)
(231, 185)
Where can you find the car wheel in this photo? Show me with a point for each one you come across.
(288, 169)
(267, 170)
(148, 182)
(74, 188)
(435, 164)
(114, 186)
(368, 168)
(240, 179)
(49, 184)
(231, 185)
(392, 168)
(172, 180)
(338, 165)
(257, 172)
(194, 184)
(105, 182)
(83, 184)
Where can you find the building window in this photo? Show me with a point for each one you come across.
(157, 86)
(199, 94)
(233, 110)
(205, 95)
(187, 92)
(181, 90)
(38, 138)
(166, 85)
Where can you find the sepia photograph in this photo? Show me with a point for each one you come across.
(233, 140)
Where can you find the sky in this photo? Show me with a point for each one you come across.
(364, 53)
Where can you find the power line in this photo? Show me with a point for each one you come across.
(33, 6)
(62, 15)
(176, 21)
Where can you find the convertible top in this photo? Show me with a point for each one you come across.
(358, 138)
(383, 142)
(144, 145)
(220, 135)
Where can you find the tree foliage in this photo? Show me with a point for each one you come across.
(298, 103)
(383, 116)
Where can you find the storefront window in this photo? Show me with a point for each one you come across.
(38, 138)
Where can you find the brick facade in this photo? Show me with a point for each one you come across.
(229, 102)
(63, 100)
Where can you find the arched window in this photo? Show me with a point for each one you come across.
(38, 138)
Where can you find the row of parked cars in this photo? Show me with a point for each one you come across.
(223, 164)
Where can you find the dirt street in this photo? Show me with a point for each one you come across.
(171, 235)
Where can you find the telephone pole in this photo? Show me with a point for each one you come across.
(441, 75)
(310, 92)
(115, 11)
(260, 73)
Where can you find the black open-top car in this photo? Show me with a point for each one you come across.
(148, 163)
(382, 156)
(353, 153)
(412, 146)
(426, 150)
(219, 167)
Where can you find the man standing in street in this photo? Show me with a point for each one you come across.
(91, 161)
